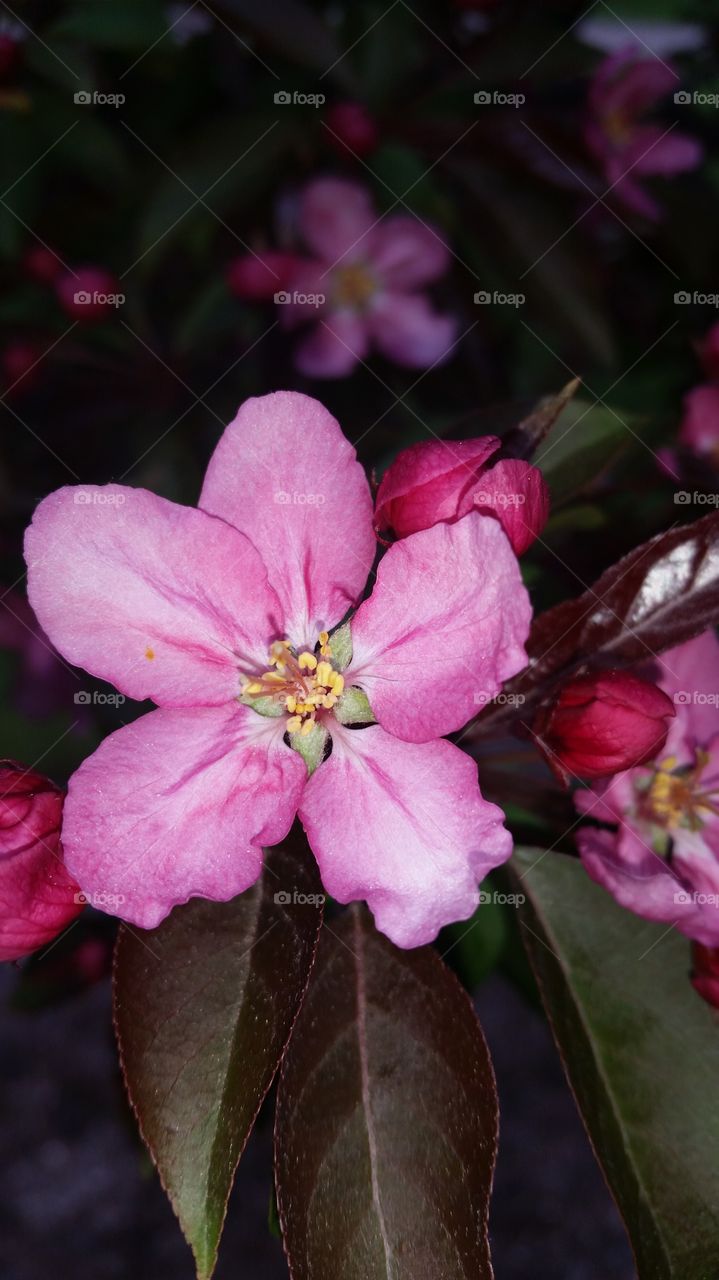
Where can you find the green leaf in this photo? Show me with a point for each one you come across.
(586, 439)
(386, 1118)
(204, 1006)
(124, 24)
(641, 1051)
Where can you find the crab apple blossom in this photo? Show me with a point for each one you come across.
(445, 479)
(662, 859)
(604, 722)
(363, 285)
(227, 617)
(626, 85)
(699, 430)
(37, 896)
(351, 128)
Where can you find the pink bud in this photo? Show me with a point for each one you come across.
(446, 479)
(37, 896)
(705, 972)
(42, 264)
(353, 127)
(19, 361)
(517, 494)
(88, 293)
(603, 723)
(258, 278)
(699, 430)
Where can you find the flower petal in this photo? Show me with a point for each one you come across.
(409, 331)
(444, 626)
(334, 217)
(517, 494)
(407, 253)
(164, 601)
(284, 474)
(404, 827)
(179, 804)
(333, 347)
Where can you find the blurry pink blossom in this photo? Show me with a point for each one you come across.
(41, 264)
(85, 294)
(37, 896)
(224, 617)
(257, 277)
(625, 87)
(661, 860)
(445, 479)
(363, 285)
(351, 128)
(699, 430)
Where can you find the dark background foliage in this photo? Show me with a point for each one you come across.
(164, 190)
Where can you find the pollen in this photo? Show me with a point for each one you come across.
(149, 654)
(678, 796)
(306, 687)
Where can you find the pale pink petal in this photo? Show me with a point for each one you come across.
(335, 215)
(162, 600)
(409, 331)
(404, 827)
(407, 254)
(628, 83)
(179, 804)
(517, 494)
(427, 481)
(609, 799)
(445, 625)
(284, 474)
(689, 673)
(654, 151)
(333, 348)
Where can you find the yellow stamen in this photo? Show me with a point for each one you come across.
(307, 661)
(324, 673)
(291, 703)
(307, 727)
(294, 724)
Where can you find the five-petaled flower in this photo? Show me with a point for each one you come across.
(228, 618)
(662, 861)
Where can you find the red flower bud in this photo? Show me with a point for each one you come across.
(42, 264)
(603, 723)
(86, 293)
(19, 362)
(705, 973)
(446, 479)
(351, 127)
(258, 278)
(37, 896)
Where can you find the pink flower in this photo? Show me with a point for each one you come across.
(83, 294)
(37, 897)
(625, 86)
(224, 616)
(445, 479)
(370, 272)
(606, 721)
(662, 860)
(699, 430)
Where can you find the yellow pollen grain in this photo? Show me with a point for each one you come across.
(291, 703)
(294, 724)
(253, 687)
(307, 661)
(307, 727)
(323, 674)
(149, 654)
(337, 683)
